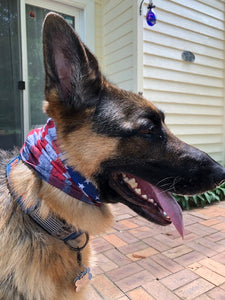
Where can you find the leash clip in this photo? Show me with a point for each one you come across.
(82, 279)
(84, 276)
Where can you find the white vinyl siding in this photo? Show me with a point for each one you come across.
(141, 58)
(191, 94)
(118, 37)
(99, 31)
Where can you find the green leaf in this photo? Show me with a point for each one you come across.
(202, 200)
(187, 202)
(213, 196)
(195, 199)
(183, 203)
(218, 192)
(222, 190)
(208, 197)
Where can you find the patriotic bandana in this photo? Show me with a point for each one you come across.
(40, 151)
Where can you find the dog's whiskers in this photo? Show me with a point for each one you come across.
(171, 187)
(158, 184)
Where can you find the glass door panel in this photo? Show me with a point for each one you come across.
(34, 20)
(10, 96)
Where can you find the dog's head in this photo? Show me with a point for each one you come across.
(115, 138)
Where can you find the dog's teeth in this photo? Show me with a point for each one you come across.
(133, 183)
(165, 214)
(126, 179)
(151, 200)
(138, 191)
(144, 196)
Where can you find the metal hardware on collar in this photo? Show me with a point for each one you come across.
(82, 279)
(66, 241)
(55, 226)
(78, 249)
(82, 274)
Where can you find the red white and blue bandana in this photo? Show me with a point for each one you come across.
(40, 151)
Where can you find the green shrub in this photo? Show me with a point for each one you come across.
(201, 200)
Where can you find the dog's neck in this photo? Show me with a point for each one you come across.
(40, 152)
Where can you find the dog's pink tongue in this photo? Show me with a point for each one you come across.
(171, 207)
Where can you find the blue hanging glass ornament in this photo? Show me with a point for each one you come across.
(150, 16)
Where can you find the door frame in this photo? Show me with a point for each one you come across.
(86, 28)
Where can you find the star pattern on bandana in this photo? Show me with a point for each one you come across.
(87, 181)
(81, 186)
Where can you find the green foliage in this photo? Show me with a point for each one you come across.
(201, 200)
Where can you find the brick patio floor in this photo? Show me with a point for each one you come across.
(139, 260)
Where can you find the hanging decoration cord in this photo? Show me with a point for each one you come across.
(140, 8)
(150, 5)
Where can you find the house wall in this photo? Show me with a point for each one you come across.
(99, 31)
(191, 94)
(118, 39)
(141, 58)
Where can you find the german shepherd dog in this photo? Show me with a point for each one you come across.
(118, 142)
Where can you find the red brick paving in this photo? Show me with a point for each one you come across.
(139, 294)
(138, 260)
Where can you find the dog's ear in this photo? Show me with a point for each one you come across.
(70, 67)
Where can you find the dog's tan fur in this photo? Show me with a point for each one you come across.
(43, 266)
(80, 155)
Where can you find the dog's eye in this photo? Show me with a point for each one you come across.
(146, 130)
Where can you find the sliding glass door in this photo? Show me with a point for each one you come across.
(11, 127)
